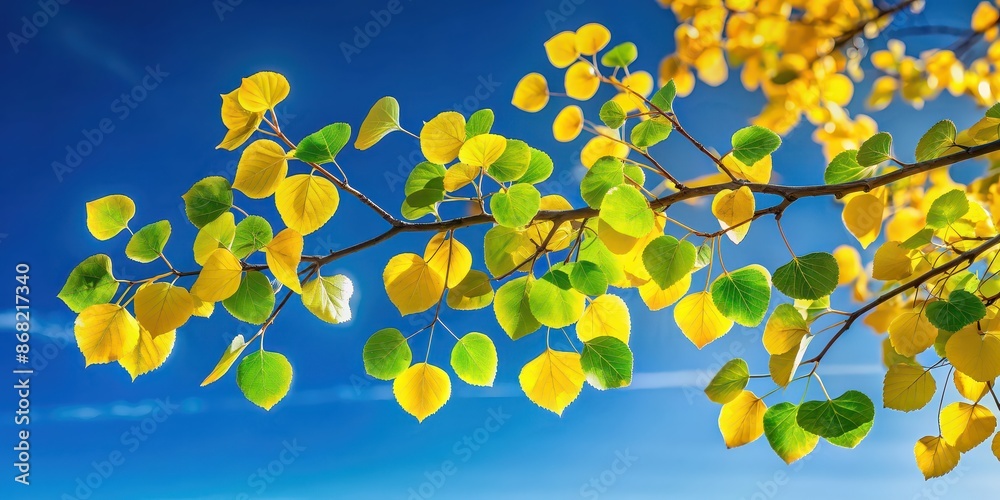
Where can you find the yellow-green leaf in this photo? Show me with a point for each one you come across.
(107, 216)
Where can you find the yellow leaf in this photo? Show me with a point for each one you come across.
(306, 202)
(531, 93)
(974, 354)
(907, 387)
(892, 262)
(162, 307)
(283, 254)
(581, 81)
(657, 298)
(561, 49)
(699, 320)
(262, 91)
(241, 124)
(995, 446)
(382, 119)
(149, 353)
(607, 315)
(911, 333)
(639, 82)
(863, 217)
(568, 124)
(442, 137)
(935, 457)
(782, 366)
(553, 379)
(591, 38)
(734, 210)
(672, 68)
(219, 278)
(848, 262)
(202, 308)
(712, 67)
(413, 286)
(905, 223)
(448, 257)
(422, 390)
(965, 426)
(970, 388)
(742, 419)
(984, 17)
(105, 333)
(460, 175)
(759, 172)
(107, 216)
(261, 168)
(216, 234)
(482, 150)
(233, 351)
(600, 146)
(784, 330)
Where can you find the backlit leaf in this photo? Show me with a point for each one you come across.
(474, 359)
(328, 298)
(283, 254)
(790, 441)
(264, 377)
(742, 419)
(107, 216)
(699, 320)
(90, 282)
(306, 202)
(253, 300)
(743, 295)
(553, 379)
(728, 382)
(261, 169)
(382, 119)
(607, 363)
(105, 333)
(322, 146)
(422, 390)
(907, 387)
(386, 354)
(413, 286)
(147, 243)
(162, 307)
(808, 277)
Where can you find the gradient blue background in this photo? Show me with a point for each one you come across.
(358, 443)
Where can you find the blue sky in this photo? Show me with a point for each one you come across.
(339, 434)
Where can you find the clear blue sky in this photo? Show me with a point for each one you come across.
(338, 434)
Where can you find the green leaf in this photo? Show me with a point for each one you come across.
(626, 210)
(961, 309)
(502, 247)
(147, 243)
(264, 377)
(606, 173)
(207, 200)
(808, 277)
(382, 119)
(329, 298)
(539, 168)
(994, 111)
(592, 249)
(836, 417)
(790, 441)
(918, 240)
(936, 141)
(663, 99)
(386, 354)
(474, 359)
(252, 233)
(481, 122)
(947, 209)
(588, 278)
(703, 257)
(728, 382)
(612, 114)
(650, 132)
(875, 150)
(90, 282)
(743, 295)
(607, 363)
(668, 260)
(845, 168)
(513, 163)
(620, 55)
(323, 146)
(424, 188)
(516, 206)
(753, 143)
(473, 292)
(513, 310)
(554, 301)
(853, 438)
(253, 300)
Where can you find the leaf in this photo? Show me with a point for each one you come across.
(213, 236)
(261, 169)
(743, 295)
(516, 206)
(252, 234)
(561, 49)
(935, 457)
(657, 298)
(107, 216)
(382, 119)
(386, 354)
(581, 81)
(962, 308)
(89, 283)
(911, 333)
(606, 173)
(422, 390)
(663, 99)
(442, 137)
(473, 292)
(852, 439)
(907, 387)
(965, 426)
(734, 209)
(626, 210)
(971, 388)
(936, 141)
(459, 175)
(836, 417)
(219, 278)
(809, 277)
(790, 441)
(329, 298)
(149, 353)
(531, 93)
(513, 310)
(306, 202)
(591, 38)
(845, 168)
(605, 316)
(233, 351)
(253, 300)
(413, 286)
(263, 91)
(588, 278)
(162, 307)
(553, 379)
(620, 55)
(892, 262)
(782, 367)
(699, 320)
(753, 143)
(479, 123)
(784, 329)
(513, 163)
(105, 333)
(424, 188)
(728, 382)
(863, 217)
(947, 209)
(553, 301)
(539, 167)
(974, 354)
(742, 419)
(147, 244)
(482, 150)
(241, 124)
(283, 254)
(668, 260)
(650, 132)
(264, 377)
(612, 115)
(568, 124)
(474, 359)
(607, 363)
(449, 257)
(207, 200)
(322, 146)
(875, 150)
